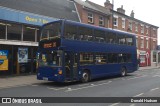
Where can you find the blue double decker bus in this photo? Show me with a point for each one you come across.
(71, 51)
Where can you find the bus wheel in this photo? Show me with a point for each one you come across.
(123, 72)
(85, 76)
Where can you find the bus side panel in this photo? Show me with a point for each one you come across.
(98, 71)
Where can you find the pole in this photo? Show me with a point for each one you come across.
(112, 14)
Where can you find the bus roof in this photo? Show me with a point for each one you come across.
(92, 26)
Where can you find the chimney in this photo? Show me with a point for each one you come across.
(108, 5)
(132, 14)
(121, 10)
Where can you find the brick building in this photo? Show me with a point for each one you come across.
(146, 34)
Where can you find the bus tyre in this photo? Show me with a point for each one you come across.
(123, 72)
(85, 76)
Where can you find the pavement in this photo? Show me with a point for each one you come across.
(8, 82)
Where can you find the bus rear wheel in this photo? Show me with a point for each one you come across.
(123, 72)
(85, 76)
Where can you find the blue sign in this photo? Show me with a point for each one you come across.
(23, 17)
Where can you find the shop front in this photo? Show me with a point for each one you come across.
(19, 36)
(144, 57)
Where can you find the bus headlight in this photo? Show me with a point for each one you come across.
(60, 72)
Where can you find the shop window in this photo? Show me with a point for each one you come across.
(38, 35)
(2, 30)
(14, 31)
(29, 33)
(154, 57)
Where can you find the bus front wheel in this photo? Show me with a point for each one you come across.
(123, 72)
(85, 76)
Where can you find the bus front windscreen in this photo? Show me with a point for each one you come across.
(51, 31)
(51, 58)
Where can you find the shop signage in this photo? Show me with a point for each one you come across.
(3, 60)
(22, 55)
(23, 17)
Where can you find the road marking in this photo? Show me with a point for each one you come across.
(34, 85)
(137, 77)
(156, 76)
(132, 105)
(88, 86)
(154, 89)
(14, 86)
(139, 95)
(83, 84)
(56, 88)
(114, 104)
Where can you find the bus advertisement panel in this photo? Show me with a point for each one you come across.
(3, 60)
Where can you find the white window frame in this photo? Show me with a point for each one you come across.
(123, 23)
(136, 27)
(115, 22)
(154, 32)
(90, 17)
(142, 42)
(130, 25)
(142, 29)
(101, 19)
(136, 41)
(154, 44)
(147, 43)
(147, 30)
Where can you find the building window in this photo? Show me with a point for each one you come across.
(137, 42)
(142, 29)
(136, 27)
(115, 21)
(154, 45)
(101, 21)
(14, 31)
(29, 33)
(146, 30)
(2, 30)
(154, 57)
(90, 18)
(130, 26)
(142, 42)
(123, 23)
(147, 44)
(154, 32)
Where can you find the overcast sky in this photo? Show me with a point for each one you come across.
(145, 10)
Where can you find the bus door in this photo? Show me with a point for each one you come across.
(71, 65)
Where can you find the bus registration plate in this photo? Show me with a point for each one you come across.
(44, 78)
